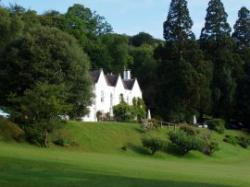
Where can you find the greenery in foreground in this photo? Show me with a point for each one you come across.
(99, 160)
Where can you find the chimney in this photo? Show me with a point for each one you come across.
(128, 74)
(125, 74)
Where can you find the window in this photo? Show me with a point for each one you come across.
(102, 96)
(111, 100)
(121, 98)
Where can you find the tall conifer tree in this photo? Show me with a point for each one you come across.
(218, 46)
(183, 72)
(242, 37)
(216, 25)
(178, 25)
(242, 28)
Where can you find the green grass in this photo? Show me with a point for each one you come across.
(99, 161)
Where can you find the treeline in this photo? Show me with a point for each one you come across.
(205, 76)
(45, 62)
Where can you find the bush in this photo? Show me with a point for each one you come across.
(184, 142)
(231, 140)
(235, 140)
(10, 131)
(189, 129)
(123, 112)
(153, 144)
(243, 142)
(35, 134)
(210, 148)
(63, 138)
(187, 138)
(217, 125)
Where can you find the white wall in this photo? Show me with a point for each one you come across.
(104, 94)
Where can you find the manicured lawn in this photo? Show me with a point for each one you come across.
(99, 161)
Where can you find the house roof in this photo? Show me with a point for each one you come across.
(95, 75)
(112, 79)
(128, 84)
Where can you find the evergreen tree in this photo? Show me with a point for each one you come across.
(184, 75)
(242, 112)
(178, 25)
(242, 28)
(216, 25)
(219, 47)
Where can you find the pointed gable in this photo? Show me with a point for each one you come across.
(128, 84)
(95, 75)
(111, 80)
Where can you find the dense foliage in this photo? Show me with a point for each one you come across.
(188, 138)
(125, 112)
(46, 58)
(154, 144)
(217, 125)
(10, 131)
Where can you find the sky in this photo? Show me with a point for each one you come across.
(134, 16)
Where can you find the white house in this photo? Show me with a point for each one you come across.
(108, 89)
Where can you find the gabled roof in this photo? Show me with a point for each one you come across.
(128, 84)
(112, 79)
(95, 75)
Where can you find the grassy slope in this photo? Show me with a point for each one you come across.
(99, 161)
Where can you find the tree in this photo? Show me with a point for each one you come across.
(117, 46)
(82, 19)
(242, 109)
(216, 25)
(183, 74)
(54, 19)
(142, 38)
(10, 26)
(242, 28)
(144, 68)
(37, 117)
(178, 25)
(218, 47)
(46, 55)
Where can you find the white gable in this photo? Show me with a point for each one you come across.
(107, 90)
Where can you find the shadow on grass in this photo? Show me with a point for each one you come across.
(83, 179)
(115, 181)
(140, 130)
(138, 149)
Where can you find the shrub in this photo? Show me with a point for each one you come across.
(59, 142)
(243, 142)
(184, 142)
(210, 148)
(236, 140)
(124, 148)
(231, 140)
(189, 129)
(187, 138)
(123, 112)
(10, 131)
(35, 134)
(63, 138)
(217, 125)
(153, 144)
